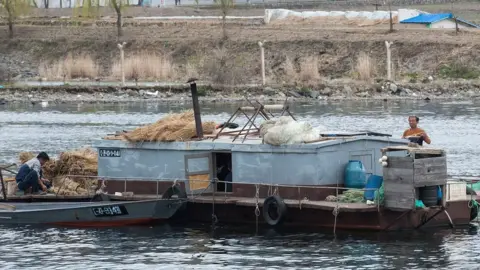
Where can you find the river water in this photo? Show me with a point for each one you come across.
(56, 127)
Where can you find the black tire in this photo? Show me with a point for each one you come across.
(274, 210)
(174, 190)
(429, 195)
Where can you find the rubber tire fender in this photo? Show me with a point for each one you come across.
(281, 210)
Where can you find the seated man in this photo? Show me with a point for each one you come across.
(414, 133)
(29, 176)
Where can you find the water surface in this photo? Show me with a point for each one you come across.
(57, 127)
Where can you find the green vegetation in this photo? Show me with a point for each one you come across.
(458, 71)
(14, 9)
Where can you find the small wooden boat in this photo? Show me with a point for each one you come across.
(89, 214)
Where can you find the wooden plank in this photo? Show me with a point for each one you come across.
(399, 188)
(7, 206)
(430, 180)
(396, 175)
(437, 169)
(427, 162)
(430, 171)
(321, 205)
(420, 150)
(400, 162)
(399, 200)
(199, 181)
(405, 203)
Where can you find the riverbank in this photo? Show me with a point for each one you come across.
(430, 90)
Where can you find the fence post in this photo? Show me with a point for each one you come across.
(262, 59)
(389, 60)
(122, 57)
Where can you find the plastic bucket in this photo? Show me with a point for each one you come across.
(374, 182)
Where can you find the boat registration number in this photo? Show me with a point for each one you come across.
(109, 152)
(108, 211)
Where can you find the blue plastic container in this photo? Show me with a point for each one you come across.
(355, 176)
(374, 181)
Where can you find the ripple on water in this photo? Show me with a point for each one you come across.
(165, 247)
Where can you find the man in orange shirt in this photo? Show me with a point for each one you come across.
(417, 134)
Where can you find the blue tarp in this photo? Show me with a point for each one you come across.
(428, 18)
(432, 18)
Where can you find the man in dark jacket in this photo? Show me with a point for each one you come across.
(29, 176)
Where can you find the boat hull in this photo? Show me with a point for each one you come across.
(381, 220)
(90, 214)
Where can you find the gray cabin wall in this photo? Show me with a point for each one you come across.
(146, 164)
(320, 164)
(326, 166)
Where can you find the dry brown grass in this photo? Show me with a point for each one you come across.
(145, 66)
(173, 127)
(309, 70)
(364, 67)
(71, 67)
(290, 72)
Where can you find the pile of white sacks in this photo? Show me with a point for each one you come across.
(285, 130)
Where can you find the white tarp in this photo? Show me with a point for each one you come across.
(281, 14)
(285, 130)
(404, 14)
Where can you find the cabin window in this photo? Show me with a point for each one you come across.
(223, 171)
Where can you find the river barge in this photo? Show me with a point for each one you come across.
(293, 181)
(285, 185)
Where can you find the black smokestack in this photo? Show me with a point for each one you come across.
(196, 107)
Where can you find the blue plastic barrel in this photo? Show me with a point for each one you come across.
(374, 181)
(355, 176)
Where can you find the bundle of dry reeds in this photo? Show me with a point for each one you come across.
(82, 162)
(25, 156)
(173, 127)
(63, 185)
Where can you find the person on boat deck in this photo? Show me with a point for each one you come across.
(29, 175)
(414, 133)
(225, 175)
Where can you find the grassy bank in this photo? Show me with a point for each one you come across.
(299, 55)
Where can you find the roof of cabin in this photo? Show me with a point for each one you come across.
(251, 144)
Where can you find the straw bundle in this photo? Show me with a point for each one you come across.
(83, 162)
(25, 156)
(63, 185)
(173, 127)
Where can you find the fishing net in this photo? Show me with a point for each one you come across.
(173, 127)
(379, 195)
(351, 196)
(285, 130)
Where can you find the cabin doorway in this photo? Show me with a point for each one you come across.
(222, 165)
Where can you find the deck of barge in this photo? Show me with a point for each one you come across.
(218, 199)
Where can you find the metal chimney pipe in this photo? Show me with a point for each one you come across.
(196, 107)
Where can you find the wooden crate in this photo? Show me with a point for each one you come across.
(456, 190)
(403, 176)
